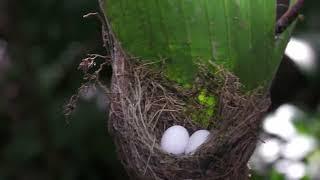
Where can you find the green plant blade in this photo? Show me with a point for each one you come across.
(237, 34)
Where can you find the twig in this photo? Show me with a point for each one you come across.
(288, 17)
(108, 40)
(282, 7)
(151, 152)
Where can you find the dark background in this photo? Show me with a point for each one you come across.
(45, 41)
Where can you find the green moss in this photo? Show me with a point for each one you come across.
(205, 99)
(205, 111)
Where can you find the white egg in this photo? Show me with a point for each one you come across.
(175, 140)
(195, 140)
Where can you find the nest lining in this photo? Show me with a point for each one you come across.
(144, 104)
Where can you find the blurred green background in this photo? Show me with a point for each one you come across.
(46, 41)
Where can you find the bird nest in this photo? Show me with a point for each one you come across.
(144, 103)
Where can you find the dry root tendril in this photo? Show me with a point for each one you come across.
(91, 80)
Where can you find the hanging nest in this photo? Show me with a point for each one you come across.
(144, 103)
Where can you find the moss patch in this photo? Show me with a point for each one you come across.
(205, 99)
(203, 108)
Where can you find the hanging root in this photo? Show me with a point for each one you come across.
(91, 79)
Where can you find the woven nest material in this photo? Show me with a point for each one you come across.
(143, 106)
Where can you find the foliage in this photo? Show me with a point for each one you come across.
(238, 34)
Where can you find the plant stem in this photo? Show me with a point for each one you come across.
(287, 18)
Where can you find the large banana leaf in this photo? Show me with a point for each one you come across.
(238, 34)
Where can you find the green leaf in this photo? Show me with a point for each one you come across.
(238, 34)
(274, 175)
